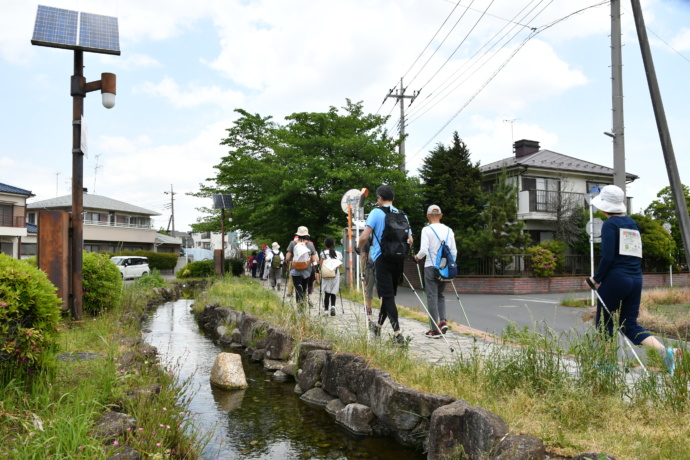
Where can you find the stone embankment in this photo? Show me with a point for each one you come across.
(366, 400)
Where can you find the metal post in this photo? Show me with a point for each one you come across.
(662, 126)
(77, 237)
(591, 246)
(349, 240)
(617, 96)
(222, 239)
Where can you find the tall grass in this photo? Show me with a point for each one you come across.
(50, 415)
(527, 379)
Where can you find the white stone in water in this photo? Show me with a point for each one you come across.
(227, 372)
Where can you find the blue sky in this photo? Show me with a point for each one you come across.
(185, 66)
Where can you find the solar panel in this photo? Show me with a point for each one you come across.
(55, 27)
(223, 202)
(59, 28)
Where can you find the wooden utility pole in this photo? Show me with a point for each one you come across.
(172, 209)
(662, 127)
(401, 99)
(617, 97)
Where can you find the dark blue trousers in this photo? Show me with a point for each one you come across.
(622, 293)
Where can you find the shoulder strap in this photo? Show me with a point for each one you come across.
(439, 238)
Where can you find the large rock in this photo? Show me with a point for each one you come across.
(112, 425)
(311, 345)
(483, 431)
(279, 345)
(248, 324)
(310, 373)
(317, 397)
(339, 369)
(273, 365)
(334, 407)
(403, 408)
(520, 447)
(593, 456)
(236, 336)
(357, 418)
(445, 430)
(227, 372)
(362, 384)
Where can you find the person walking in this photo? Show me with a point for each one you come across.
(618, 278)
(368, 276)
(433, 235)
(302, 256)
(390, 246)
(332, 259)
(253, 264)
(274, 262)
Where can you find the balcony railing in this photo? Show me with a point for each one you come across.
(12, 221)
(98, 223)
(551, 201)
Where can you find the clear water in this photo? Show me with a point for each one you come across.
(265, 421)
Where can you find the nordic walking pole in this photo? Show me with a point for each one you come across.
(427, 312)
(463, 309)
(287, 274)
(625, 337)
(421, 281)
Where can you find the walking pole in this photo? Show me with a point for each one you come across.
(421, 282)
(427, 312)
(625, 337)
(287, 273)
(463, 309)
(367, 316)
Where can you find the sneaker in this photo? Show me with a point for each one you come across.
(278, 286)
(443, 326)
(433, 334)
(670, 359)
(325, 313)
(398, 339)
(374, 329)
(332, 311)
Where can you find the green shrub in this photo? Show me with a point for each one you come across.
(557, 248)
(236, 267)
(29, 313)
(542, 261)
(157, 260)
(151, 281)
(102, 283)
(198, 269)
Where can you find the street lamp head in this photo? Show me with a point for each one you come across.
(108, 85)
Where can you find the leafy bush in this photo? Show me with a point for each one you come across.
(542, 261)
(557, 248)
(236, 267)
(198, 269)
(157, 260)
(29, 313)
(151, 281)
(102, 283)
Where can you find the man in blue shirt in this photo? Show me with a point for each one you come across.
(388, 272)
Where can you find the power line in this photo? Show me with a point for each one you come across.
(494, 16)
(524, 42)
(467, 67)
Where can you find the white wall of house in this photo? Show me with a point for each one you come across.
(10, 232)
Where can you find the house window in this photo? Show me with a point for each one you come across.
(31, 218)
(29, 249)
(91, 248)
(207, 245)
(591, 185)
(6, 214)
(92, 217)
(543, 193)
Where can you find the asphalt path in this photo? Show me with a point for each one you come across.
(492, 312)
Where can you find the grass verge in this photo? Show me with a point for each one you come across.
(51, 414)
(526, 385)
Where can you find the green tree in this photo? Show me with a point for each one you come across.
(453, 182)
(284, 176)
(664, 210)
(657, 245)
(502, 233)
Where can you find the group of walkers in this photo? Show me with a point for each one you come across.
(387, 239)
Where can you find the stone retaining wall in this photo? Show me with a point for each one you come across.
(366, 400)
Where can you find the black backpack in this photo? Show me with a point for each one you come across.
(394, 240)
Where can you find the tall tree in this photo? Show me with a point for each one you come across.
(502, 233)
(284, 176)
(664, 210)
(453, 182)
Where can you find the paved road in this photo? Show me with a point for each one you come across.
(492, 312)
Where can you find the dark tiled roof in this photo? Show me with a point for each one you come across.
(16, 190)
(551, 160)
(92, 201)
(31, 228)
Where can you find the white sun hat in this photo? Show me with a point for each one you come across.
(611, 199)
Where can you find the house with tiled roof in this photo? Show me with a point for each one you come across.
(548, 182)
(109, 224)
(13, 219)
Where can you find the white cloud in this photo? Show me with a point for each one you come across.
(195, 96)
(681, 42)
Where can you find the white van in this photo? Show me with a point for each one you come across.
(132, 266)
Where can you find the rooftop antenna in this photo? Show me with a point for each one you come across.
(57, 176)
(95, 172)
(511, 121)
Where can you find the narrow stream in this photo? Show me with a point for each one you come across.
(265, 421)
